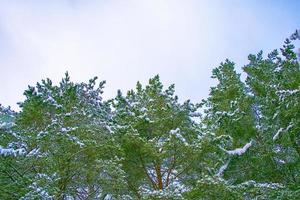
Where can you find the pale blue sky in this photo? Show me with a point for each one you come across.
(126, 41)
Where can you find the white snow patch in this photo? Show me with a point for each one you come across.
(11, 151)
(289, 92)
(178, 135)
(3, 124)
(262, 185)
(34, 152)
(282, 130)
(223, 168)
(68, 129)
(240, 151)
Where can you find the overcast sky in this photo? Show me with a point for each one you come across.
(126, 41)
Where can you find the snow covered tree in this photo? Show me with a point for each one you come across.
(229, 115)
(275, 85)
(68, 138)
(260, 112)
(12, 151)
(264, 112)
(158, 138)
(228, 108)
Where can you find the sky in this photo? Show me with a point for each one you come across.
(125, 41)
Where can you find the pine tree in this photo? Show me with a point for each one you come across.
(228, 108)
(274, 83)
(158, 139)
(68, 140)
(12, 150)
(229, 115)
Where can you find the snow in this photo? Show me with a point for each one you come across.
(275, 115)
(6, 124)
(223, 168)
(240, 151)
(172, 132)
(63, 129)
(275, 137)
(109, 128)
(37, 191)
(68, 129)
(11, 151)
(51, 100)
(34, 152)
(3, 124)
(262, 185)
(233, 114)
(282, 130)
(177, 134)
(280, 161)
(108, 197)
(173, 191)
(195, 114)
(284, 93)
(143, 109)
(41, 134)
(76, 140)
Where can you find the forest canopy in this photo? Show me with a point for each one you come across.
(242, 142)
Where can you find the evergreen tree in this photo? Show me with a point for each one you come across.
(12, 150)
(264, 112)
(274, 83)
(158, 139)
(68, 140)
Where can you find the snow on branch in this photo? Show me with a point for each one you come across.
(289, 92)
(240, 151)
(229, 114)
(6, 124)
(223, 168)
(261, 185)
(11, 151)
(177, 133)
(235, 115)
(283, 93)
(282, 130)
